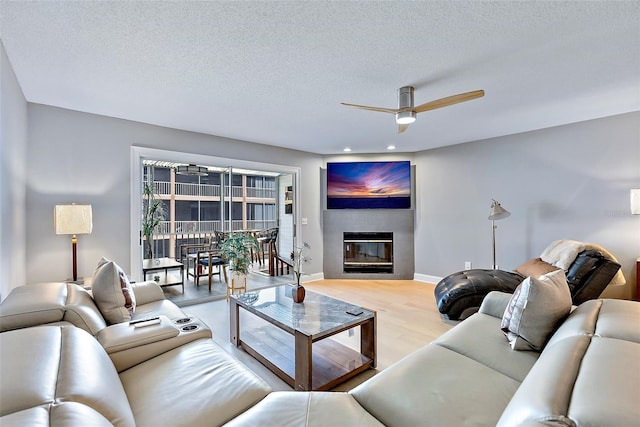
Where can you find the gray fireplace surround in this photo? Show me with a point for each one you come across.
(398, 221)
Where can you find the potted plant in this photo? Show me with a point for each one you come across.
(152, 215)
(299, 256)
(236, 249)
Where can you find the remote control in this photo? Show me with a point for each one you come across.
(155, 321)
(135, 322)
(355, 311)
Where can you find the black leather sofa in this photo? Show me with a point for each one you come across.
(460, 294)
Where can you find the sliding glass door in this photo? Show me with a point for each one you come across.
(202, 200)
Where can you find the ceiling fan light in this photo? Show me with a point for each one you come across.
(405, 117)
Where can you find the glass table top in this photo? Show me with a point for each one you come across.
(318, 315)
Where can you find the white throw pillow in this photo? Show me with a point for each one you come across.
(112, 292)
(535, 309)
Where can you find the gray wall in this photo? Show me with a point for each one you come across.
(85, 158)
(567, 182)
(13, 147)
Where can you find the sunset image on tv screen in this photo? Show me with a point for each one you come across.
(369, 185)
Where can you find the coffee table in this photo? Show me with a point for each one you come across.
(166, 264)
(293, 338)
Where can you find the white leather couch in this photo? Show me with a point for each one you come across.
(62, 364)
(587, 374)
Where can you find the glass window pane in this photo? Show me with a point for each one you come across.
(162, 174)
(186, 210)
(209, 211)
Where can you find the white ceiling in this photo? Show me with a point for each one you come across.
(276, 72)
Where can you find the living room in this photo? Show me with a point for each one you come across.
(566, 178)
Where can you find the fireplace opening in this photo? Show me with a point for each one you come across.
(368, 252)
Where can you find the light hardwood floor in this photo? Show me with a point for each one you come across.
(407, 320)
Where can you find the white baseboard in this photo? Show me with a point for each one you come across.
(312, 277)
(426, 278)
(417, 277)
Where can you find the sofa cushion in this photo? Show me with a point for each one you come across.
(437, 386)
(195, 384)
(535, 268)
(306, 409)
(535, 309)
(481, 340)
(32, 305)
(607, 318)
(112, 292)
(63, 371)
(580, 381)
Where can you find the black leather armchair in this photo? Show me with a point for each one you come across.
(461, 293)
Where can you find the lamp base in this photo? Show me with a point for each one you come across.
(74, 243)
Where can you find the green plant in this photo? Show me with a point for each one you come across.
(236, 249)
(152, 215)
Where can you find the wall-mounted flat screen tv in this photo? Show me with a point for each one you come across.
(369, 185)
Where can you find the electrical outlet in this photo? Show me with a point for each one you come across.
(467, 265)
(351, 332)
(304, 221)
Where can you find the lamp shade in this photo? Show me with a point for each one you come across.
(497, 212)
(73, 219)
(635, 201)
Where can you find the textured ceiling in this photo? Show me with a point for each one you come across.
(276, 72)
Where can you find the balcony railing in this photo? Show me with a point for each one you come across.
(261, 193)
(191, 227)
(167, 244)
(198, 190)
(163, 188)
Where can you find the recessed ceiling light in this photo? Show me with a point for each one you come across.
(391, 147)
(347, 150)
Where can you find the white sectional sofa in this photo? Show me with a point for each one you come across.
(588, 374)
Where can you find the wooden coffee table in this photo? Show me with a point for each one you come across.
(166, 264)
(294, 341)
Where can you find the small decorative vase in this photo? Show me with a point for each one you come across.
(297, 293)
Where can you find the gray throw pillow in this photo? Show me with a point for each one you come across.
(112, 292)
(535, 309)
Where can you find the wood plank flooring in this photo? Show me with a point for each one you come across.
(407, 320)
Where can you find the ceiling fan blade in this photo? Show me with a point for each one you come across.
(450, 100)
(402, 128)
(365, 107)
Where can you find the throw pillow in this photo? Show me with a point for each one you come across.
(535, 268)
(112, 292)
(535, 309)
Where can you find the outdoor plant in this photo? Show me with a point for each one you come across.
(152, 215)
(236, 249)
(299, 256)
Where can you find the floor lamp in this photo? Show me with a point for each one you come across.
(497, 212)
(73, 219)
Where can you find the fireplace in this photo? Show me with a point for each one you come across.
(368, 252)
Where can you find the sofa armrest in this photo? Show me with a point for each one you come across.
(147, 292)
(495, 303)
(128, 345)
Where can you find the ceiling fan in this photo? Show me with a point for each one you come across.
(406, 112)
